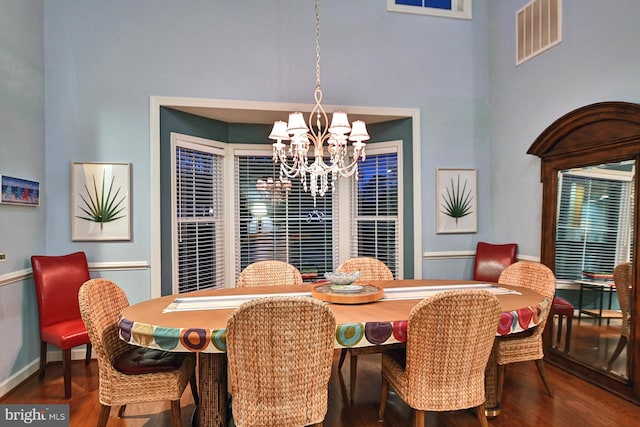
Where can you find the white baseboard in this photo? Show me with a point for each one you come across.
(16, 379)
(52, 356)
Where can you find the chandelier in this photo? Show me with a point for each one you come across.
(313, 136)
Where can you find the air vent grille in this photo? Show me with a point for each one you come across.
(538, 28)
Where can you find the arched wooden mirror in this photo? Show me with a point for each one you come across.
(589, 226)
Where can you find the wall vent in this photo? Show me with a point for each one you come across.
(538, 28)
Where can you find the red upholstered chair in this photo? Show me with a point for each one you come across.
(563, 309)
(57, 280)
(492, 259)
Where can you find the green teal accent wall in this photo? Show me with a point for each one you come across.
(188, 124)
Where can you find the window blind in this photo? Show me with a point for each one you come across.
(277, 219)
(199, 239)
(593, 226)
(375, 220)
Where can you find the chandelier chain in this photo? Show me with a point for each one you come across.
(317, 44)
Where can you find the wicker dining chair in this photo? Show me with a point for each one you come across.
(130, 374)
(280, 351)
(527, 345)
(622, 279)
(370, 269)
(449, 341)
(271, 272)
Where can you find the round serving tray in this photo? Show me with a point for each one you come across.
(368, 293)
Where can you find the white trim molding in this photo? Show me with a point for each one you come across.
(435, 255)
(26, 273)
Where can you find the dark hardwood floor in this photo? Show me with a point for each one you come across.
(525, 401)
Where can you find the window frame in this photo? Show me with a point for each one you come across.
(344, 188)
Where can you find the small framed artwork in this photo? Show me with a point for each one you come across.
(100, 201)
(456, 201)
(18, 191)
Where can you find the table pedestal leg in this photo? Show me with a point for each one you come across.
(212, 371)
(491, 405)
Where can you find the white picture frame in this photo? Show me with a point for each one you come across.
(100, 201)
(456, 201)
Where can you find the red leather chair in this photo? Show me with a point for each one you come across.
(492, 259)
(58, 280)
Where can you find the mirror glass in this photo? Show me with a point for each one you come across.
(594, 234)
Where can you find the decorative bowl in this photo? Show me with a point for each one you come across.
(341, 279)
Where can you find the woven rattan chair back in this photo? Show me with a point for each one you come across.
(280, 351)
(449, 340)
(267, 273)
(535, 276)
(369, 268)
(622, 279)
(101, 302)
(528, 345)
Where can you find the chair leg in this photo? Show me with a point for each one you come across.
(121, 411)
(87, 356)
(567, 337)
(353, 369)
(43, 359)
(343, 355)
(482, 415)
(194, 389)
(500, 381)
(175, 411)
(104, 415)
(66, 366)
(622, 342)
(384, 391)
(543, 377)
(419, 415)
(559, 331)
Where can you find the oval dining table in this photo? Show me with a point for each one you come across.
(196, 322)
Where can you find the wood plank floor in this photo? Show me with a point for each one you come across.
(576, 403)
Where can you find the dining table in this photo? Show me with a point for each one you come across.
(196, 322)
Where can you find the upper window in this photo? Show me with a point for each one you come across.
(445, 8)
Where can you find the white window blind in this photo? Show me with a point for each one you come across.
(375, 220)
(593, 231)
(199, 226)
(278, 220)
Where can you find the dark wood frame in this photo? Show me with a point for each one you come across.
(599, 133)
